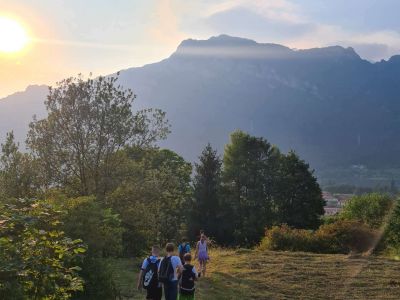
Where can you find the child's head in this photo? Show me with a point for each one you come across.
(155, 250)
(203, 237)
(187, 258)
(170, 247)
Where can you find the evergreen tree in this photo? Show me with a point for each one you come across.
(297, 195)
(248, 175)
(207, 181)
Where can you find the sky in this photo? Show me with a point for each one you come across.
(103, 36)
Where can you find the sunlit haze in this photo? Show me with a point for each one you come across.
(70, 37)
(13, 36)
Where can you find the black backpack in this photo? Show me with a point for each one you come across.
(166, 272)
(187, 280)
(150, 275)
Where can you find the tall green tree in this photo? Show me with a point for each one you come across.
(88, 121)
(152, 197)
(18, 176)
(297, 196)
(206, 211)
(249, 167)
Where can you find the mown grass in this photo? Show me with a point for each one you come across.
(247, 274)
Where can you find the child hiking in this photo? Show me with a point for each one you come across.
(202, 253)
(187, 279)
(183, 248)
(148, 277)
(168, 272)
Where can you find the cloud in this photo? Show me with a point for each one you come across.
(165, 25)
(283, 21)
(276, 10)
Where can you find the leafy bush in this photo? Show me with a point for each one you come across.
(340, 237)
(37, 261)
(345, 236)
(370, 209)
(100, 227)
(288, 239)
(390, 243)
(99, 281)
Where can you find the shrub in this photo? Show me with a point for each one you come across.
(345, 236)
(37, 260)
(342, 236)
(370, 209)
(390, 243)
(288, 239)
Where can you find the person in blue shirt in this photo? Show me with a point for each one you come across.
(148, 276)
(183, 248)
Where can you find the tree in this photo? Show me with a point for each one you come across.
(248, 174)
(152, 197)
(371, 209)
(391, 237)
(206, 212)
(297, 195)
(88, 121)
(18, 178)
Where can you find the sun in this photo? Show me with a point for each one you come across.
(13, 37)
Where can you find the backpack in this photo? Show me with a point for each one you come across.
(187, 280)
(150, 275)
(166, 273)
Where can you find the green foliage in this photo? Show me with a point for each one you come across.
(18, 178)
(100, 227)
(88, 121)
(345, 236)
(99, 280)
(371, 209)
(390, 243)
(206, 210)
(263, 187)
(342, 236)
(37, 261)
(249, 163)
(297, 195)
(152, 199)
(288, 239)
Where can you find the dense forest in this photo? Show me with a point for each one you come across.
(92, 185)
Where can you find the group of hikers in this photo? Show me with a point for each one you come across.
(176, 275)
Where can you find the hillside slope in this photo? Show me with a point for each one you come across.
(328, 104)
(246, 274)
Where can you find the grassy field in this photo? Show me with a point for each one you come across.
(247, 274)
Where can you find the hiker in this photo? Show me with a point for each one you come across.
(202, 253)
(168, 272)
(148, 276)
(187, 279)
(183, 248)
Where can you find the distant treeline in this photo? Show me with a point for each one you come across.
(93, 185)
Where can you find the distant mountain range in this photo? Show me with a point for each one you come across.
(334, 108)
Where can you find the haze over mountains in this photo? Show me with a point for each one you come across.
(328, 104)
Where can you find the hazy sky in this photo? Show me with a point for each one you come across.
(103, 36)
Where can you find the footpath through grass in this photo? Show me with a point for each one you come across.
(247, 274)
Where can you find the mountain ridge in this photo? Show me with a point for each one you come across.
(330, 105)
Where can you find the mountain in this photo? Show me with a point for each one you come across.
(332, 107)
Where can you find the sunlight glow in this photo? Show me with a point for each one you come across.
(13, 36)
